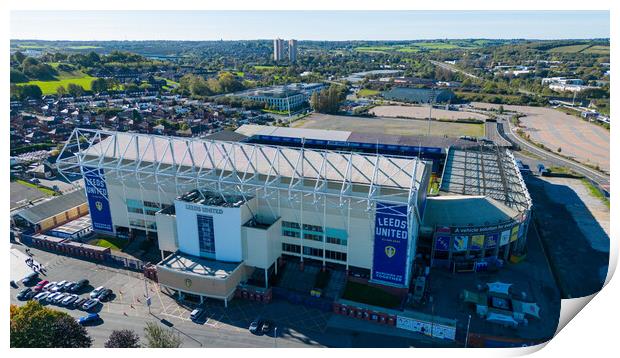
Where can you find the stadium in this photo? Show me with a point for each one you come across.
(227, 211)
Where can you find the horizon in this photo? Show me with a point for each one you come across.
(334, 26)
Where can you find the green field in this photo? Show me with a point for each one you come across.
(264, 68)
(597, 50)
(83, 47)
(50, 87)
(364, 92)
(44, 190)
(113, 243)
(369, 295)
(419, 46)
(570, 48)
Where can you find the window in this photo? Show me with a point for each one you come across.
(136, 223)
(150, 211)
(290, 225)
(134, 203)
(336, 241)
(311, 251)
(313, 228)
(335, 255)
(290, 233)
(206, 237)
(291, 248)
(151, 225)
(151, 204)
(313, 237)
(134, 210)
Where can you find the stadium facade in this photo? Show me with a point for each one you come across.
(223, 212)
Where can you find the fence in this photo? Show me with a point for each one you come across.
(323, 304)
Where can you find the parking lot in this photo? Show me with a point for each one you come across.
(297, 326)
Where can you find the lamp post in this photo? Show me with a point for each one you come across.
(275, 337)
(467, 334)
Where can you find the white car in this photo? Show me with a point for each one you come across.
(96, 291)
(41, 296)
(48, 286)
(59, 298)
(90, 304)
(51, 296)
(66, 286)
(59, 286)
(69, 300)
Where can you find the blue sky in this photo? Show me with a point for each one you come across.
(306, 25)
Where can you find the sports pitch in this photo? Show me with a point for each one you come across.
(391, 126)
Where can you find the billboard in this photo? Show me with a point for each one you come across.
(491, 241)
(389, 262)
(442, 243)
(460, 243)
(98, 202)
(477, 241)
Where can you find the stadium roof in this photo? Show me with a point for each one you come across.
(253, 129)
(250, 166)
(458, 210)
(486, 171)
(204, 267)
(56, 205)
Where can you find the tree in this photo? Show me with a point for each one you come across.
(75, 90)
(159, 337)
(35, 326)
(61, 91)
(30, 92)
(17, 76)
(124, 338)
(99, 85)
(19, 57)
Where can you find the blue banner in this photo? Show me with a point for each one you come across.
(391, 243)
(98, 203)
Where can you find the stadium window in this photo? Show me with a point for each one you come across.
(134, 203)
(151, 204)
(311, 251)
(150, 211)
(290, 233)
(313, 237)
(291, 248)
(134, 210)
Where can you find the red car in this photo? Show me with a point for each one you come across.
(40, 285)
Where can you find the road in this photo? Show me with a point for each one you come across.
(598, 177)
(452, 68)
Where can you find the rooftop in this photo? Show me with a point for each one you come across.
(53, 206)
(486, 171)
(198, 266)
(459, 210)
(204, 197)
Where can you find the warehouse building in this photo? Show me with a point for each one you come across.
(223, 212)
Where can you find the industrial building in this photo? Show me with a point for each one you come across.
(283, 98)
(224, 212)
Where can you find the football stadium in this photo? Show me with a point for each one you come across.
(236, 205)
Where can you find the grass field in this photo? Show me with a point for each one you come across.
(595, 192)
(113, 243)
(390, 126)
(83, 47)
(364, 92)
(418, 46)
(369, 295)
(583, 48)
(598, 50)
(46, 191)
(264, 68)
(50, 87)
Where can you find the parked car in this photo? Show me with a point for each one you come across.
(67, 301)
(30, 278)
(59, 298)
(14, 284)
(49, 285)
(78, 286)
(41, 296)
(105, 295)
(59, 286)
(95, 293)
(255, 326)
(50, 298)
(30, 295)
(196, 314)
(90, 304)
(41, 285)
(79, 302)
(91, 317)
(68, 285)
(22, 294)
(266, 327)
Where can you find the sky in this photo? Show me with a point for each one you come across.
(307, 25)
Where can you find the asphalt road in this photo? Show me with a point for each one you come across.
(598, 177)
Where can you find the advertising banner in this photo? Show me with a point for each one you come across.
(477, 241)
(460, 243)
(425, 327)
(514, 233)
(491, 241)
(391, 243)
(481, 229)
(98, 202)
(442, 243)
(505, 238)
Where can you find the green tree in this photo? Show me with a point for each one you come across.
(19, 57)
(30, 92)
(35, 326)
(75, 90)
(61, 91)
(17, 76)
(99, 85)
(124, 338)
(159, 337)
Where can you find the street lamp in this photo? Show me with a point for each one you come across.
(467, 334)
(275, 337)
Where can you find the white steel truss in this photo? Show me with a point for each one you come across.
(246, 169)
